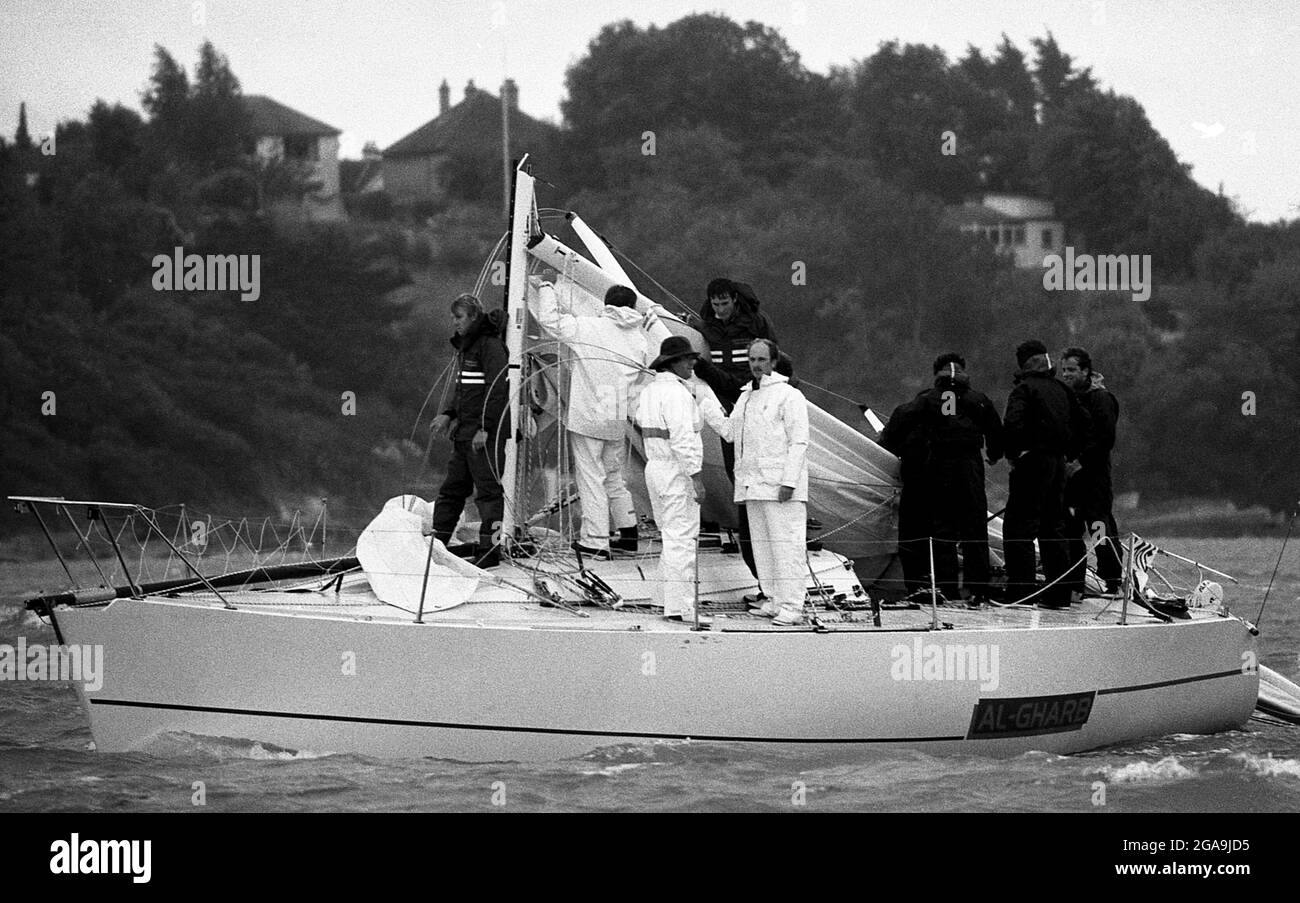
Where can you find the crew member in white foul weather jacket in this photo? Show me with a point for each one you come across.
(669, 423)
(610, 352)
(769, 426)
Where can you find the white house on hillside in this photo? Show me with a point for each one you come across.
(281, 132)
(1024, 227)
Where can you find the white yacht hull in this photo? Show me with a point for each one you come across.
(477, 691)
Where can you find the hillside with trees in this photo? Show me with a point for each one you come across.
(826, 192)
(112, 390)
(845, 174)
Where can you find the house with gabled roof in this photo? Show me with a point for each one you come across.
(282, 133)
(1024, 228)
(418, 166)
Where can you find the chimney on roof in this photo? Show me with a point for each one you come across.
(470, 89)
(510, 94)
(371, 152)
(444, 97)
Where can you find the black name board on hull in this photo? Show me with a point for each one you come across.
(1024, 716)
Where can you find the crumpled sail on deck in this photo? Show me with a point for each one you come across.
(395, 554)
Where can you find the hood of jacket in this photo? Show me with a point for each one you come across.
(624, 317)
(959, 384)
(1045, 372)
(746, 305)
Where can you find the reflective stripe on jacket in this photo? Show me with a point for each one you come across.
(481, 388)
(670, 423)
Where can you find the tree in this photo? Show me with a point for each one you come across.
(1115, 178)
(1055, 77)
(1010, 77)
(166, 100)
(22, 139)
(28, 240)
(203, 124)
(116, 135)
(1000, 117)
(743, 80)
(903, 102)
(105, 238)
(217, 118)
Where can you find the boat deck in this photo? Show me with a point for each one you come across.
(511, 595)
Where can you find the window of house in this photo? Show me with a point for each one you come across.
(300, 147)
(1047, 238)
(1019, 235)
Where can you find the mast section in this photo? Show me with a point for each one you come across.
(521, 208)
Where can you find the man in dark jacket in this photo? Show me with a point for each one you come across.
(731, 321)
(1042, 428)
(474, 423)
(1089, 498)
(960, 423)
(904, 436)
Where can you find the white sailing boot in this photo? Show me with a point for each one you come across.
(789, 616)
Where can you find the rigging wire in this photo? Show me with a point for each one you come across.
(486, 270)
(442, 399)
(1281, 552)
(690, 315)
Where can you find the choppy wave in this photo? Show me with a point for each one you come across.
(1269, 767)
(641, 752)
(611, 770)
(173, 745)
(1167, 769)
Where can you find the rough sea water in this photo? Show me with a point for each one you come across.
(48, 764)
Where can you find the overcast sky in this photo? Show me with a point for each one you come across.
(1218, 79)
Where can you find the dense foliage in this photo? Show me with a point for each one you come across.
(827, 193)
(761, 169)
(112, 389)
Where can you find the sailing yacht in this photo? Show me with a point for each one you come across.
(404, 649)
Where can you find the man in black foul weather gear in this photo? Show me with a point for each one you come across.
(960, 423)
(1042, 429)
(474, 423)
(904, 436)
(731, 322)
(1089, 498)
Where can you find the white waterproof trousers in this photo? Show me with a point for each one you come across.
(677, 514)
(598, 467)
(779, 532)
